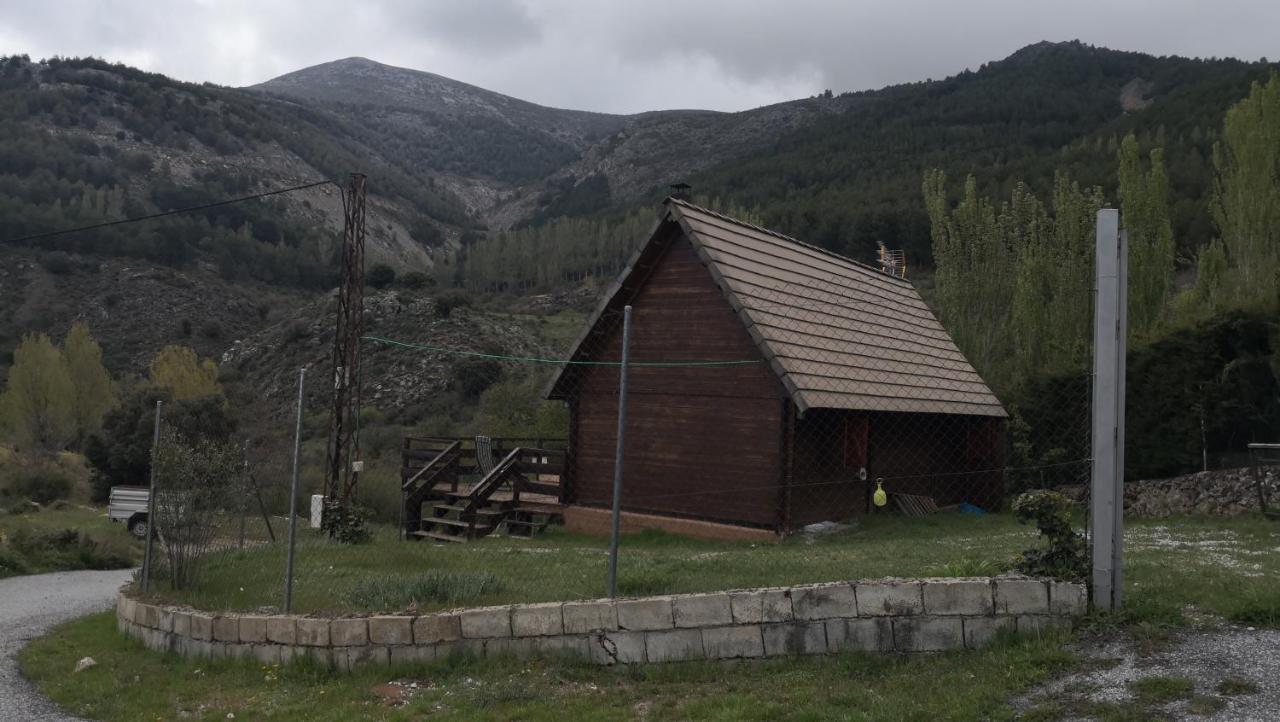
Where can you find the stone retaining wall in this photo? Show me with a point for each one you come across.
(890, 615)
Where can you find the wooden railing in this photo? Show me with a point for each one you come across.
(429, 462)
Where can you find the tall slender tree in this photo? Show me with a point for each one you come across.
(39, 398)
(93, 394)
(1144, 215)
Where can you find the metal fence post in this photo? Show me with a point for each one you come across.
(293, 497)
(617, 460)
(151, 504)
(1107, 493)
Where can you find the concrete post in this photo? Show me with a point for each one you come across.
(1110, 330)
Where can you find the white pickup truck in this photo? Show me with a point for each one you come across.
(129, 505)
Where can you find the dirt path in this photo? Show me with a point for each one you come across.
(29, 607)
(1225, 673)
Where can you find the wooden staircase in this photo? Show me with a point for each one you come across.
(519, 496)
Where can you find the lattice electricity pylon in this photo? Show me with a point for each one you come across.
(342, 469)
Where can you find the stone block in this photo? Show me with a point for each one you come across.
(240, 651)
(1068, 598)
(702, 610)
(313, 632)
(194, 648)
(219, 650)
(165, 620)
(391, 630)
(958, 596)
(486, 622)
(201, 626)
(794, 638)
(226, 629)
(1022, 596)
(617, 648)
(588, 617)
(267, 653)
(889, 598)
(673, 645)
(253, 629)
(414, 654)
(576, 646)
(460, 648)
(980, 631)
(874, 634)
(536, 620)
(824, 601)
(927, 634)
(348, 632)
(359, 657)
(733, 642)
(639, 615)
(519, 648)
(282, 630)
(1036, 625)
(775, 605)
(150, 615)
(436, 628)
(182, 624)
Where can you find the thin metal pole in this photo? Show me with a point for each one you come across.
(151, 504)
(617, 459)
(293, 497)
(244, 496)
(1107, 500)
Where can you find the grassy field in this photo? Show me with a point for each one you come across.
(1177, 571)
(60, 539)
(557, 565)
(130, 683)
(1224, 566)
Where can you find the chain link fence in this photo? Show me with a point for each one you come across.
(790, 417)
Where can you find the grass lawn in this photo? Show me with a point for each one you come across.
(74, 537)
(387, 574)
(130, 683)
(1228, 567)
(1175, 568)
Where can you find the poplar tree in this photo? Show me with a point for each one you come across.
(92, 392)
(1144, 215)
(39, 398)
(1246, 200)
(183, 374)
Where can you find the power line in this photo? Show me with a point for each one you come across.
(561, 362)
(174, 212)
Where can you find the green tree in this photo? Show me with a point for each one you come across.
(39, 399)
(178, 370)
(120, 452)
(1246, 200)
(93, 394)
(1144, 215)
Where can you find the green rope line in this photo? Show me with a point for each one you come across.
(562, 362)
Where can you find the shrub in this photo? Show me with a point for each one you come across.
(416, 280)
(380, 276)
(431, 587)
(349, 525)
(449, 301)
(475, 375)
(43, 485)
(57, 262)
(1065, 556)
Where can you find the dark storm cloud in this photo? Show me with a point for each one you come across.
(627, 56)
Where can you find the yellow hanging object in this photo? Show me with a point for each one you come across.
(880, 498)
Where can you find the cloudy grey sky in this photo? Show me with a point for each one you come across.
(625, 55)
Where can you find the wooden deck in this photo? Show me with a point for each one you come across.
(468, 491)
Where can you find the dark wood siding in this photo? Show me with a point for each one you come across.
(949, 458)
(701, 441)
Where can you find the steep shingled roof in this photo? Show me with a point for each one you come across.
(839, 334)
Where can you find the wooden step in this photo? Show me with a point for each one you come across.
(439, 536)
(462, 507)
(455, 523)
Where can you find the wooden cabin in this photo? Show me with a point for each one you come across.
(829, 374)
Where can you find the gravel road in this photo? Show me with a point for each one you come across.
(29, 607)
